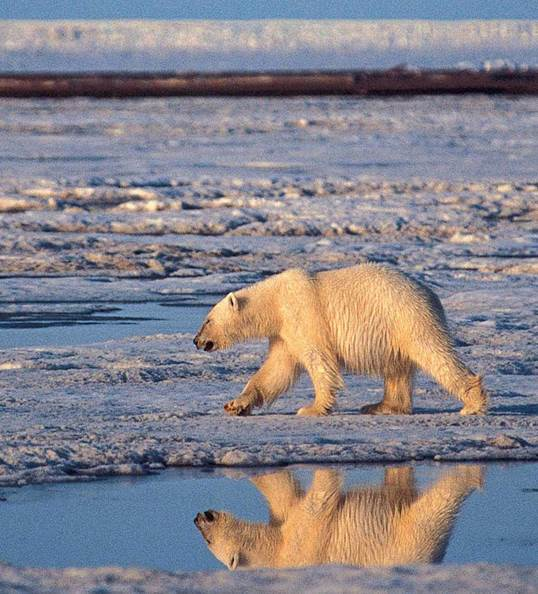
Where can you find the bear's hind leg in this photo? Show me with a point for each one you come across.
(397, 397)
(442, 363)
(474, 397)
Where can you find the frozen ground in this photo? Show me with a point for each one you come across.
(181, 201)
(421, 580)
(255, 45)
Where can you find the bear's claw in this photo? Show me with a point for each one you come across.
(238, 409)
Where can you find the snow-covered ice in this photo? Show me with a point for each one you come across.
(180, 201)
(183, 200)
(401, 580)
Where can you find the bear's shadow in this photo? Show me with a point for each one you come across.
(516, 409)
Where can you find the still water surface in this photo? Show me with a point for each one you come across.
(453, 514)
(59, 329)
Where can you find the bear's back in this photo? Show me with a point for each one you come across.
(363, 528)
(371, 311)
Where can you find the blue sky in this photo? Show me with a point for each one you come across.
(259, 9)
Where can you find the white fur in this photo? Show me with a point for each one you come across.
(386, 525)
(367, 319)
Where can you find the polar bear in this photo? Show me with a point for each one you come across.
(369, 526)
(366, 319)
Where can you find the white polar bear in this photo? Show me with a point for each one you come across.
(367, 319)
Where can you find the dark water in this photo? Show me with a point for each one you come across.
(149, 521)
(54, 328)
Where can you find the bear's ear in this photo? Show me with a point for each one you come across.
(233, 302)
(234, 561)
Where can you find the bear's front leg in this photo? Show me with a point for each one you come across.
(242, 405)
(398, 394)
(312, 411)
(326, 380)
(278, 373)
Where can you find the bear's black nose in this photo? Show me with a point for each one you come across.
(207, 516)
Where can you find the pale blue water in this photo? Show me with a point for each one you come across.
(121, 321)
(148, 521)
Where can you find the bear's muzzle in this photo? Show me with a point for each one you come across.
(199, 343)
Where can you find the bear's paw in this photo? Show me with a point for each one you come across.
(236, 408)
(311, 411)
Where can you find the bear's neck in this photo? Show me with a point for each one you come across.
(260, 542)
(261, 318)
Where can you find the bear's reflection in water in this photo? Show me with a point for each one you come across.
(390, 524)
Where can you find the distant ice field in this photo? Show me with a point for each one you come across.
(263, 45)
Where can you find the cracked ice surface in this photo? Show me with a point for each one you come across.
(181, 201)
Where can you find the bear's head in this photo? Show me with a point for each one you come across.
(231, 540)
(222, 326)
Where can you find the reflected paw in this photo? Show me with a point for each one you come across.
(236, 408)
(472, 475)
